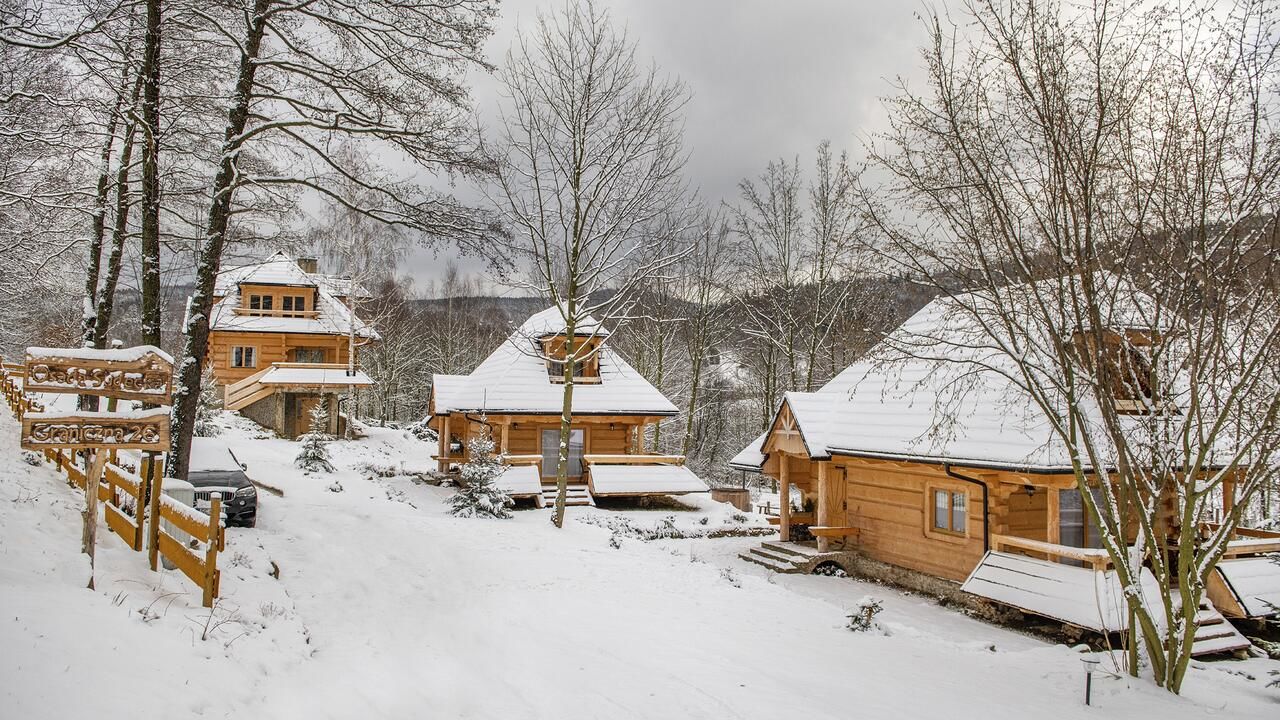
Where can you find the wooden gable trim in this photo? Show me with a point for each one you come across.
(784, 432)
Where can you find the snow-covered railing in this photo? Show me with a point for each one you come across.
(12, 381)
(123, 505)
(245, 392)
(633, 459)
(1246, 541)
(121, 493)
(202, 528)
(1097, 559)
(518, 460)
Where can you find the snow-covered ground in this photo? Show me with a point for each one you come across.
(385, 606)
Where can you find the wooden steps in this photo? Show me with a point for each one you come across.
(1214, 635)
(576, 495)
(780, 557)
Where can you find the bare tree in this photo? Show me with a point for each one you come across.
(386, 74)
(1105, 180)
(589, 168)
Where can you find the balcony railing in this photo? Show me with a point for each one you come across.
(1093, 557)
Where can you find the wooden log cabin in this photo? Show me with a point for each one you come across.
(518, 392)
(948, 471)
(279, 342)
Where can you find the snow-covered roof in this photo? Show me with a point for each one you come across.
(332, 316)
(643, 480)
(750, 457)
(313, 376)
(513, 379)
(937, 389)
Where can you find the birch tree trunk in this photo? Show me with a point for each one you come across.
(566, 419)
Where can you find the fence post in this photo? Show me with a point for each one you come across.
(211, 549)
(153, 539)
(89, 540)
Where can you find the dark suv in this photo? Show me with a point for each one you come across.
(214, 468)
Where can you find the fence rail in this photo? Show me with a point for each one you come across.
(202, 528)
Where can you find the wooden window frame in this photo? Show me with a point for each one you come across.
(293, 303)
(231, 360)
(265, 303)
(586, 371)
(948, 533)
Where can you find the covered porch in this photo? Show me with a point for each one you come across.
(539, 436)
(282, 395)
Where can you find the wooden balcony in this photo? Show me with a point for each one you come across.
(248, 312)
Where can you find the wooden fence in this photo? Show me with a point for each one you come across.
(125, 497)
(121, 492)
(11, 377)
(202, 528)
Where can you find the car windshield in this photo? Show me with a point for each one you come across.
(217, 478)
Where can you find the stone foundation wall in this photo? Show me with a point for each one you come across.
(945, 591)
(263, 412)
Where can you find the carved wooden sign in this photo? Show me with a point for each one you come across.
(140, 373)
(142, 430)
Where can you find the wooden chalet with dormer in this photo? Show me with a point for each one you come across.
(518, 392)
(280, 339)
(931, 460)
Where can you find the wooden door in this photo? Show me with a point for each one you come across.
(840, 494)
(302, 422)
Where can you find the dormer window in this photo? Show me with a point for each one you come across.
(586, 370)
(294, 303)
(261, 302)
(1128, 372)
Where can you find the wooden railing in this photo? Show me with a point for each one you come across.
(1097, 559)
(634, 459)
(250, 312)
(245, 392)
(11, 377)
(535, 460)
(123, 505)
(1247, 541)
(205, 529)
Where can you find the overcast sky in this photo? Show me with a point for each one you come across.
(768, 78)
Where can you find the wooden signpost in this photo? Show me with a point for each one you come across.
(141, 373)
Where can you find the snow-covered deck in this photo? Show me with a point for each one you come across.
(638, 477)
(521, 481)
(281, 376)
(313, 375)
(1075, 595)
(1254, 583)
(1086, 597)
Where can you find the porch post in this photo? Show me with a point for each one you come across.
(824, 505)
(784, 498)
(640, 439)
(1053, 511)
(444, 445)
(1228, 496)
